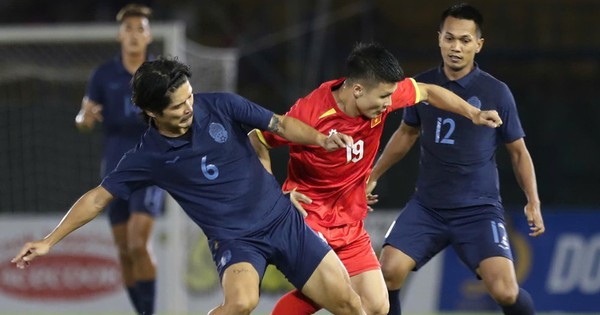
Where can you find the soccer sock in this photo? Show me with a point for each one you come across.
(523, 305)
(145, 290)
(394, 297)
(132, 292)
(294, 303)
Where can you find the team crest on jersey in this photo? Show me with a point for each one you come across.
(474, 100)
(376, 121)
(218, 132)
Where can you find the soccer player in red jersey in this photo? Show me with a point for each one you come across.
(332, 185)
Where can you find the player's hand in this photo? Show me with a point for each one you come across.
(534, 219)
(29, 252)
(296, 198)
(489, 118)
(371, 198)
(336, 141)
(89, 114)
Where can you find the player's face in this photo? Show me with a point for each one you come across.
(176, 118)
(459, 43)
(374, 100)
(134, 35)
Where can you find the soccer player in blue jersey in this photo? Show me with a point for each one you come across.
(197, 149)
(457, 199)
(108, 101)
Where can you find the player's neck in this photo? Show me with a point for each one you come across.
(132, 62)
(454, 75)
(345, 101)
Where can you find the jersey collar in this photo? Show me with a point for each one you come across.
(464, 82)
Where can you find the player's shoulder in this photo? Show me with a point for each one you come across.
(491, 83)
(428, 76)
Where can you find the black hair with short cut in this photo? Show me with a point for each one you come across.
(154, 81)
(464, 11)
(373, 64)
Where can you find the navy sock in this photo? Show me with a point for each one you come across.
(146, 291)
(523, 305)
(394, 296)
(132, 292)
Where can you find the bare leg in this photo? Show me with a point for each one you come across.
(240, 290)
(330, 287)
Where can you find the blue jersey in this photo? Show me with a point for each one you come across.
(214, 174)
(457, 166)
(122, 125)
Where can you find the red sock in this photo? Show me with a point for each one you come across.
(295, 303)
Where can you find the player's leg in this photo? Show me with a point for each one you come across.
(498, 275)
(139, 230)
(312, 266)
(295, 303)
(145, 205)
(417, 235)
(240, 283)
(353, 246)
(329, 286)
(482, 243)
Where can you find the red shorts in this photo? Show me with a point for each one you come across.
(352, 244)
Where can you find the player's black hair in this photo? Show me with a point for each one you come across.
(154, 81)
(464, 11)
(371, 63)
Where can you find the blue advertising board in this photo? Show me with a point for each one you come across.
(561, 268)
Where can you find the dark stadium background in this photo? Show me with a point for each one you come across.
(548, 52)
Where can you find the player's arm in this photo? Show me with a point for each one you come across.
(399, 144)
(83, 211)
(297, 131)
(447, 100)
(261, 150)
(89, 114)
(525, 173)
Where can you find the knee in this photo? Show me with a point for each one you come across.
(241, 305)
(504, 295)
(393, 276)
(351, 305)
(381, 307)
(137, 248)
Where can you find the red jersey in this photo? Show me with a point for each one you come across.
(336, 181)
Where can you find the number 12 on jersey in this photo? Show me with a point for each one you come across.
(446, 138)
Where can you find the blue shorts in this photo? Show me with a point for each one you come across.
(148, 200)
(475, 233)
(288, 243)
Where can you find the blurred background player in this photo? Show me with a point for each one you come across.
(457, 200)
(198, 150)
(108, 101)
(333, 185)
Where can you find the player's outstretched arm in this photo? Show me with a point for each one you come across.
(447, 100)
(83, 211)
(297, 131)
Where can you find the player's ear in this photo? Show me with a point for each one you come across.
(357, 90)
(150, 114)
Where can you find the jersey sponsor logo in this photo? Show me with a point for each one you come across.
(475, 101)
(376, 121)
(218, 132)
